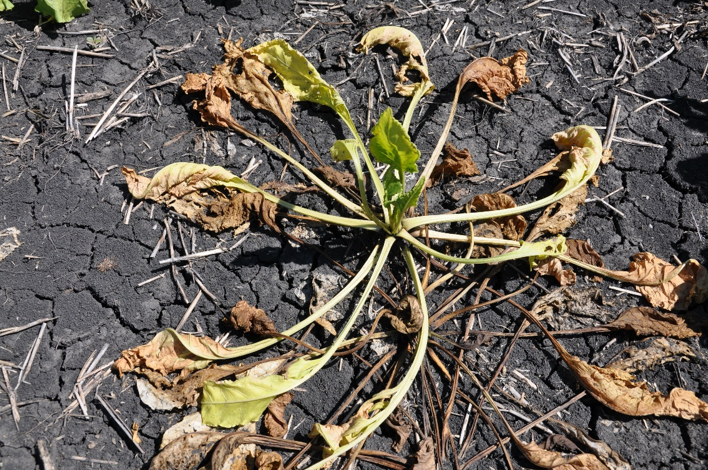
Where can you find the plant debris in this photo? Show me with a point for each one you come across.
(646, 321)
(274, 418)
(248, 319)
(657, 352)
(455, 163)
(498, 77)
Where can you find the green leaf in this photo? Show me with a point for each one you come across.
(237, 402)
(391, 145)
(62, 11)
(344, 149)
(410, 198)
(299, 76)
(6, 5)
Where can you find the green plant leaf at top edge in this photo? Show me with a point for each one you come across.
(62, 11)
(6, 5)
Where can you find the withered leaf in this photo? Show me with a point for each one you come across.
(337, 179)
(409, 45)
(408, 316)
(269, 461)
(250, 83)
(425, 455)
(454, 163)
(582, 251)
(688, 287)
(183, 393)
(186, 452)
(247, 318)
(559, 216)
(512, 226)
(180, 186)
(170, 351)
(646, 321)
(554, 267)
(555, 460)
(618, 390)
(231, 454)
(274, 420)
(398, 423)
(573, 307)
(500, 78)
(659, 351)
(609, 457)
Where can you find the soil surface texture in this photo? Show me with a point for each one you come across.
(87, 249)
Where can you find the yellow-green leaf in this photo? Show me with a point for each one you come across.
(345, 149)
(299, 76)
(62, 11)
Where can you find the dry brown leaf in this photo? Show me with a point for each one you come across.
(331, 433)
(167, 353)
(186, 452)
(500, 78)
(248, 319)
(215, 211)
(183, 393)
(269, 461)
(512, 226)
(408, 316)
(425, 455)
(559, 216)
(409, 45)
(231, 454)
(223, 212)
(582, 251)
(401, 427)
(337, 179)
(274, 419)
(555, 460)
(688, 287)
(659, 351)
(618, 390)
(609, 457)
(454, 163)
(250, 83)
(646, 321)
(554, 267)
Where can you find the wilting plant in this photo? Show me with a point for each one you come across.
(219, 200)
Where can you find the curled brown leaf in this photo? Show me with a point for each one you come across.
(582, 251)
(512, 226)
(604, 452)
(454, 163)
(688, 287)
(247, 318)
(274, 419)
(499, 78)
(554, 267)
(408, 316)
(269, 461)
(168, 352)
(646, 321)
(425, 455)
(398, 423)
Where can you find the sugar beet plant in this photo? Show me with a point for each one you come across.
(219, 200)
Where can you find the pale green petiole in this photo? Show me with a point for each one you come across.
(552, 247)
(386, 401)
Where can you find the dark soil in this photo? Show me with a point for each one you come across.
(81, 264)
